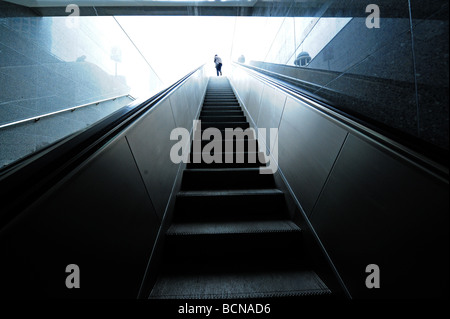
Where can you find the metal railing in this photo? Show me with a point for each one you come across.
(73, 108)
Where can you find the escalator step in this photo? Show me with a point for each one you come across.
(224, 165)
(222, 108)
(232, 204)
(235, 157)
(233, 228)
(237, 178)
(255, 239)
(224, 125)
(238, 283)
(228, 145)
(221, 113)
(223, 118)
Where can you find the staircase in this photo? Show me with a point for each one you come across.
(231, 236)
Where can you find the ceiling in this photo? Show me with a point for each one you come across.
(277, 8)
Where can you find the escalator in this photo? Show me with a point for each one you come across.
(139, 225)
(231, 235)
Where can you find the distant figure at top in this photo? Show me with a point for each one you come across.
(218, 62)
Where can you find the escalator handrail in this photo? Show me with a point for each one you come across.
(25, 180)
(73, 108)
(416, 158)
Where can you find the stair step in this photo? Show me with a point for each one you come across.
(235, 159)
(224, 125)
(243, 240)
(224, 165)
(225, 139)
(227, 157)
(218, 92)
(218, 95)
(238, 178)
(207, 101)
(238, 282)
(220, 98)
(233, 228)
(227, 134)
(235, 134)
(251, 192)
(222, 108)
(231, 145)
(221, 113)
(223, 118)
(220, 205)
(220, 103)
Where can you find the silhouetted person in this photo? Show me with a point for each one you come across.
(241, 59)
(218, 62)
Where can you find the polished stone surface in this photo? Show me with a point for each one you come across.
(431, 50)
(394, 77)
